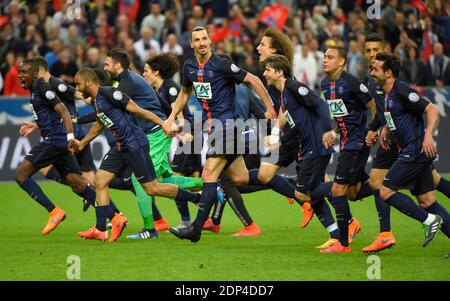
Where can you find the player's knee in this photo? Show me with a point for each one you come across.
(100, 183)
(385, 193)
(240, 179)
(264, 177)
(426, 202)
(19, 178)
(151, 188)
(375, 183)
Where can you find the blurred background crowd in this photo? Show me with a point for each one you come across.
(72, 34)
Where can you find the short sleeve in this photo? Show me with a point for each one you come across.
(48, 96)
(119, 99)
(360, 90)
(172, 92)
(410, 98)
(301, 92)
(231, 71)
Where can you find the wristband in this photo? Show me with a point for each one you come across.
(275, 131)
(70, 136)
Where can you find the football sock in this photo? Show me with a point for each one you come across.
(101, 213)
(384, 212)
(364, 191)
(406, 205)
(444, 187)
(144, 203)
(155, 210)
(120, 184)
(183, 182)
(437, 209)
(207, 199)
(323, 212)
(321, 191)
(33, 189)
(277, 183)
(234, 197)
(54, 175)
(216, 218)
(342, 208)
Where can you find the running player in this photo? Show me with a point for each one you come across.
(48, 111)
(349, 101)
(132, 149)
(403, 109)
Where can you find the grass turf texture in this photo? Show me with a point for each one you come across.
(284, 251)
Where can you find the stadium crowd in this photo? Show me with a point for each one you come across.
(75, 34)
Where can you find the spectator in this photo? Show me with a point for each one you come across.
(172, 24)
(134, 58)
(155, 20)
(10, 42)
(65, 68)
(414, 29)
(38, 44)
(305, 66)
(173, 46)
(80, 55)
(147, 46)
(356, 65)
(414, 69)
(12, 85)
(52, 56)
(44, 19)
(93, 59)
(123, 25)
(439, 66)
(73, 38)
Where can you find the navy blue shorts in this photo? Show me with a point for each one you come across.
(351, 167)
(45, 154)
(384, 159)
(138, 161)
(310, 173)
(187, 164)
(224, 142)
(86, 160)
(412, 175)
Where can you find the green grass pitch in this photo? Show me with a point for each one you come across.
(284, 251)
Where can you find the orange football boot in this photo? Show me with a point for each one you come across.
(161, 224)
(57, 215)
(384, 240)
(209, 226)
(250, 230)
(94, 233)
(337, 248)
(119, 222)
(308, 213)
(354, 227)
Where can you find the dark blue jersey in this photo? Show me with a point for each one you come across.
(305, 111)
(378, 95)
(42, 102)
(403, 109)
(110, 105)
(347, 98)
(214, 85)
(169, 91)
(142, 93)
(66, 93)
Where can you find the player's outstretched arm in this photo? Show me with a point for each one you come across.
(93, 132)
(133, 108)
(177, 107)
(429, 146)
(259, 88)
(61, 109)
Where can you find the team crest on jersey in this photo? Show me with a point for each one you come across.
(303, 91)
(203, 90)
(173, 91)
(413, 97)
(363, 88)
(50, 95)
(62, 88)
(234, 68)
(117, 95)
